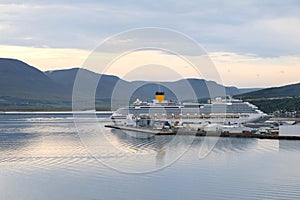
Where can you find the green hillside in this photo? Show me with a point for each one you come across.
(274, 92)
(276, 99)
(278, 105)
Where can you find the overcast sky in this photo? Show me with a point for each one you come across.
(259, 37)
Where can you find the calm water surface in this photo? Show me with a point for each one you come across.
(43, 157)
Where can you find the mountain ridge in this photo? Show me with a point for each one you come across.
(292, 90)
(281, 101)
(24, 87)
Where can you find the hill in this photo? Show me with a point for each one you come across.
(277, 100)
(18, 79)
(23, 87)
(274, 92)
(144, 90)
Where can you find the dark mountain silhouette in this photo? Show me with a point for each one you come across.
(67, 77)
(274, 92)
(144, 90)
(23, 87)
(19, 80)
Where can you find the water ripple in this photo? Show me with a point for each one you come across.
(49, 150)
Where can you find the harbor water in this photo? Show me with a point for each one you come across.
(42, 156)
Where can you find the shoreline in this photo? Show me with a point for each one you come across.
(53, 112)
(98, 111)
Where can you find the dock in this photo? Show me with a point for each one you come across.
(143, 130)
(201, 133)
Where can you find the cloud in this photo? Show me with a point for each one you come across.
(252, 42)
(254, 71)
(267, 37)
(265, 28)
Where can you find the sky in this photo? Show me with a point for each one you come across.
(252, 43)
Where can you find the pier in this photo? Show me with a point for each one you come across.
(202, 133)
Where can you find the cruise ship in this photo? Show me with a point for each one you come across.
(218, 110)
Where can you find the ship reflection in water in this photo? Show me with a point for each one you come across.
(42, 157)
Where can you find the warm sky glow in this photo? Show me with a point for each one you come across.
(252, 43)
(234, 69)
(46, 58)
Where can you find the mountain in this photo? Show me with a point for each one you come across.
(247, 90)
(275, 100)
(20, 80)
(274, 92)
(23, 87)
(67, 77)
(144, 89)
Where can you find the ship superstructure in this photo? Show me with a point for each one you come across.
(218, 110)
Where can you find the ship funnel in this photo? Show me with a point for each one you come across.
(160, 96)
